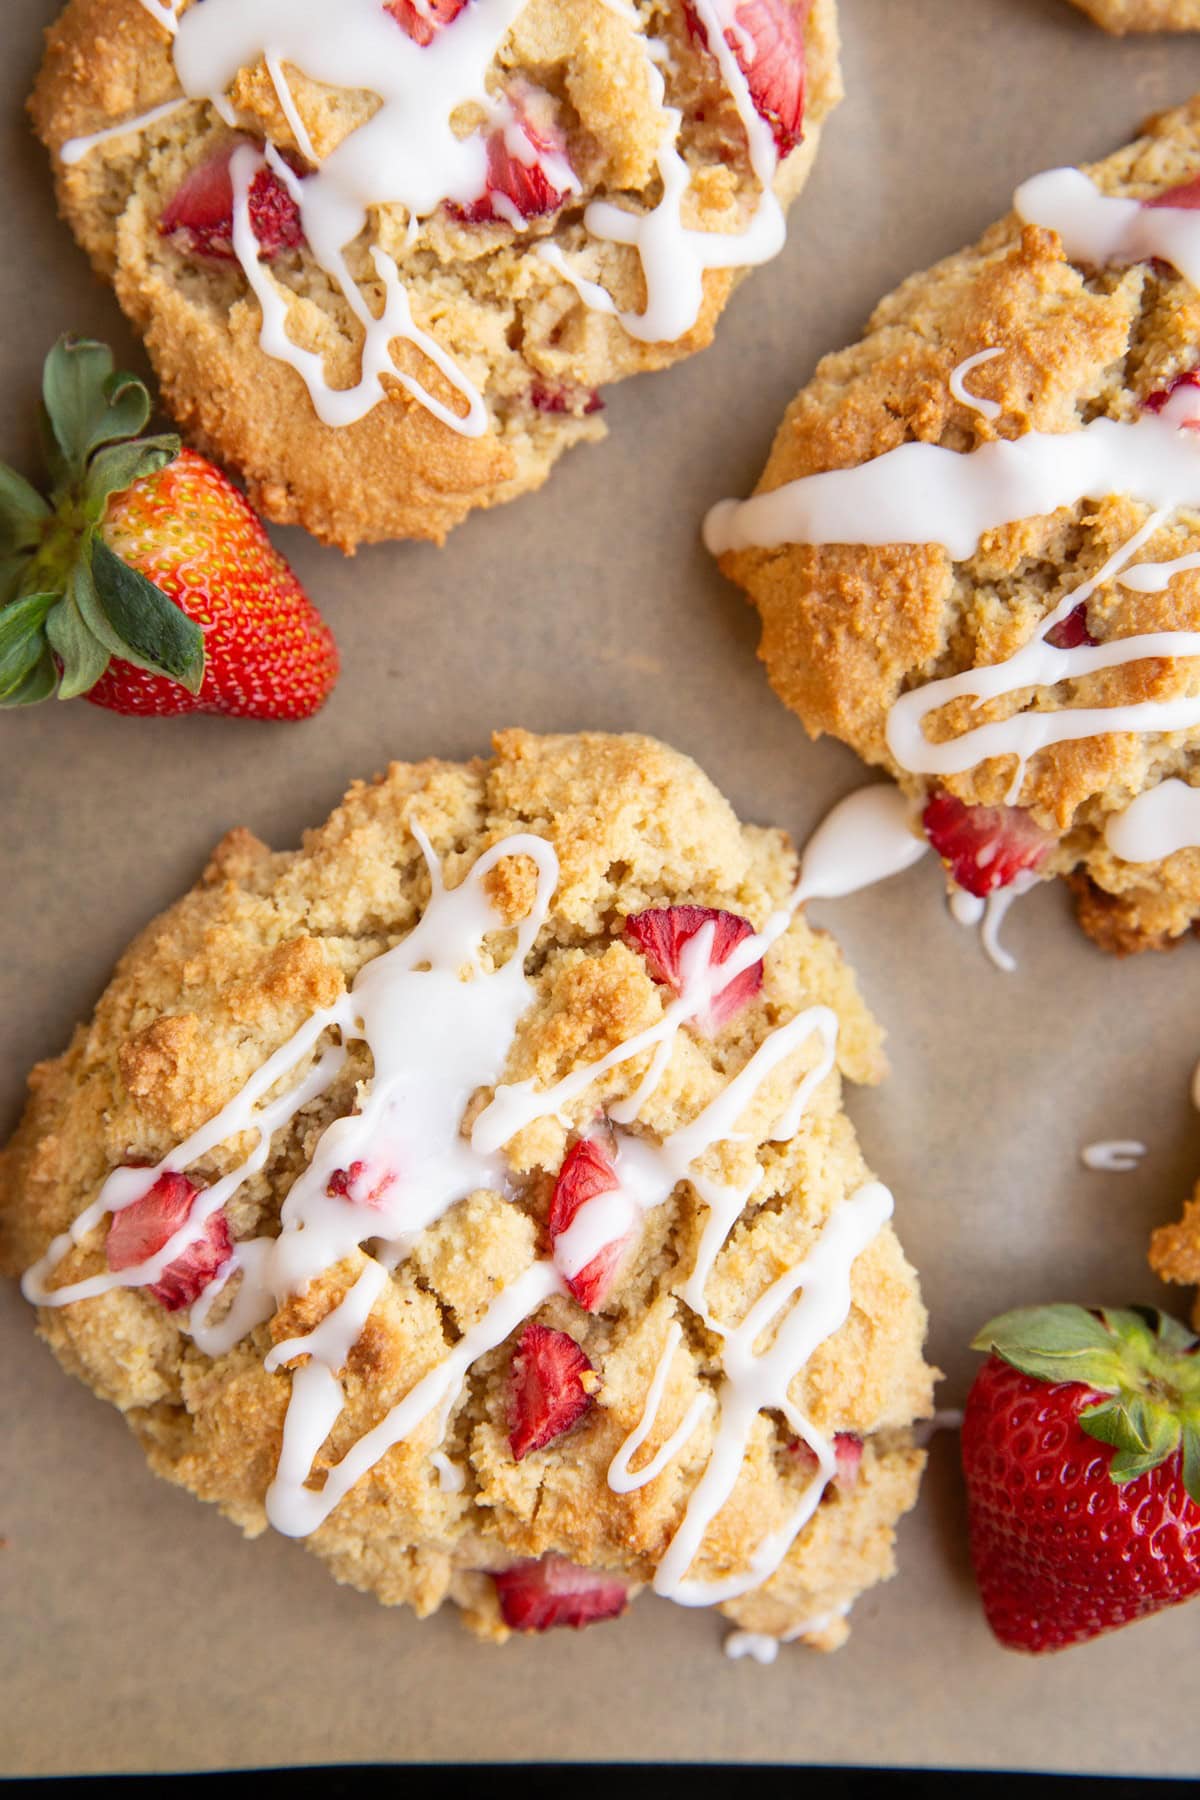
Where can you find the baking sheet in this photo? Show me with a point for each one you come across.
(138, 1630)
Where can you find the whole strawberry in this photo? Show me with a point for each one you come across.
(1081, 1450)
(146, 582)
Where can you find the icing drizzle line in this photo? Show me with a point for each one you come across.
(408, 154)
(925, 494)
(436, 1039)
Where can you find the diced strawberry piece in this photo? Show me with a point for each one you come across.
(1072, 631)
(514, 185)
(423, 22)
(534, 1596)
(1158, 399)
(200, 215)
(847, 1450)
(1186, 196)
(587, 1171)
(559, 399)
(661, 934)
(139, 1232)
(984, 847)
(767, 38)
(548, 1395)
(349, 1184)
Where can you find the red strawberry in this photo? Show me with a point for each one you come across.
(139, 1232)
(984, 847)
(1081, 1450)
(514, 186)
(1156, 401)
(199, 217)
(661, 935)
(423, 19)
(847, 1450)
(548, 1395)
(1072, 631)
(348, 1184)
(534, 1596)
(147, 583)
(767, 38)
(560, 399)
(1186, 196)
(587, 1170)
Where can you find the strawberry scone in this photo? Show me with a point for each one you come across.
(1143, 15)
(469, 1194)
(386, 253)
(976, 544)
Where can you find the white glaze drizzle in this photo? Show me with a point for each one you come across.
(620, 1477)
(924, 494)
(1156, 823)
(1103, 230)
(763, 1649)
(1113, 1156)
(408, 154)
(987, 409)
(971, 910)
(164, 12)
(436, 1039)
(76, 148)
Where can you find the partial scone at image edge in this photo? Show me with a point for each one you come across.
(452, 231)
(1032, 682)
(469, 1193)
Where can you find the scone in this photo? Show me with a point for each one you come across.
(386, 254)
(469, 1193)
(1143, 15)
(976, 544)
(1175, 1251)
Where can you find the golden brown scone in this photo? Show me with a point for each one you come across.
(849, 628)
(225, 978)
(1143, 15)
(512, 327)
(1175, 1250)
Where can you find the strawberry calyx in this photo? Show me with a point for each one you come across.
(68, 603)
(1142, 1366)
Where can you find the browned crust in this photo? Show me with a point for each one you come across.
(1120, 16)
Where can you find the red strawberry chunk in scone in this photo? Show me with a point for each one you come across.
(847, 1451)
(140, 1230)
(1186, 196)
(587, 1172)
(548, 1391)
(518, 187)
(984, 847)
(1072, 631)
(662, 935)
(534, 1596)
(361, 1184)
(423, 19)
(1155, 402)
(199, 217)
(767, 38)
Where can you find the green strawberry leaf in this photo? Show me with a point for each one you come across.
(1191, 1460)
(23, 512)
(1055, 1343)
(118, 466)
(22, 640)
(157, 634)
(38, 685)
(87, 404)
(82, 589)
(82, 660)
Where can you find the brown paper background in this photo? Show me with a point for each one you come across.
(137, 1629)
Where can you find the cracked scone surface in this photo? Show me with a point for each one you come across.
(511, 324)
(223, 978)
(848, 629)
(1143, 15)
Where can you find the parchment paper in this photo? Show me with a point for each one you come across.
(139, 1630)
